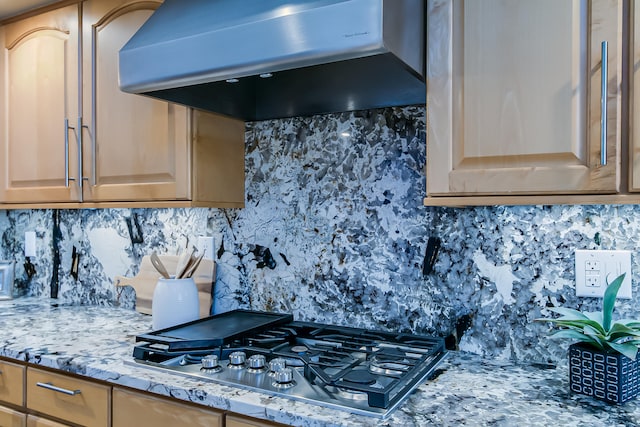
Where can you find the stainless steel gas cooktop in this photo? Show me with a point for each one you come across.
(357, 370)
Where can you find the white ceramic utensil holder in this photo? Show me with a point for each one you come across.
(175, 301)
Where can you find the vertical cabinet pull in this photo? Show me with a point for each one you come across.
(603, 105)
(50, 386)
(67, 178)
(80, 159)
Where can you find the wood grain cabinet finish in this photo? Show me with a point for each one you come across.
(61, 68)
(141, 410)
(39, 94)
(12, 418)
(68, 398)
(34, 421)
(514, 98)
(236, 421)
(12, 383)
(634, 97)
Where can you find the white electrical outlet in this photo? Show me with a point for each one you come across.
(30, 243)
(206, 244)
(594, 269)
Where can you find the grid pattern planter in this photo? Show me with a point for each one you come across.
(607, 376)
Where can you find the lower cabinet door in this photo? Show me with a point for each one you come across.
(235, 421)
(68, 398)
(12, 383)
(33, 421)
(141, 410)
(11, 418)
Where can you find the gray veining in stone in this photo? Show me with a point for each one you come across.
(337, 200)
(468, 389)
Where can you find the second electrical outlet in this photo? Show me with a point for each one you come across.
(594, 269)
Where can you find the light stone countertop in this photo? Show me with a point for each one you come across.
(95, 341)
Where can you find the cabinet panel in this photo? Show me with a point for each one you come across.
(513, 102)
(12, 383)
(136, 147)
(218, 160)
(33, 421)
(41, 90)
(235, 421)
(87, 404)
(11, 418)
(513, 98)
(136, 409)
(634, 99)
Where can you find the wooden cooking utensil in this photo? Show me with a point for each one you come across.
(155, 260)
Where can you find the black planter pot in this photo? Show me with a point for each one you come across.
(608, 376)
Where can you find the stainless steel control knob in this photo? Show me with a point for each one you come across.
(237, 358)
(210, 361)
(284, 376)
(277, 364)
(257, 361)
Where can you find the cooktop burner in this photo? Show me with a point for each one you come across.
(362, 371)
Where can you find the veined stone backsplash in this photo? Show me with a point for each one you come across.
(337, 200)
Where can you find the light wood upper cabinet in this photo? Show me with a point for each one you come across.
(514, 98)
(39, 93)
(121, 149)
(634, 98)
(135, 147)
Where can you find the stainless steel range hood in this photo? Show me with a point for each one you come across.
(263, 59)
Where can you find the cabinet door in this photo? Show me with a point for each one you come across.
(634, 129)
(33, 421)
(12, 383)
(236, 421)
(140, 410)
(40, 65)
(514, 97)
(136, 147)
(11, 418)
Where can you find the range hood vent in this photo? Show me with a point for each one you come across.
(265, 59)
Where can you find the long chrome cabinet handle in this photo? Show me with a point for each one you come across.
(94, 108)
(603, 105)
(94, 158)
(50, 386)
(80, 159)
(67, 178)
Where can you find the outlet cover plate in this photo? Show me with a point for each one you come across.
(206, 245)
(594, 269)
(30, 243)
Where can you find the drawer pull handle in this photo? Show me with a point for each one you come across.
(50, 386)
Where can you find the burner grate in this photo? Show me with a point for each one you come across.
(332, 365)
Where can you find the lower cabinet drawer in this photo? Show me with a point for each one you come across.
(141, 410)
(68, 398)
(12, 383)
(11, 418)
(33, 421)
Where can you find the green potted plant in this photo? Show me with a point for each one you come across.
(603, 363)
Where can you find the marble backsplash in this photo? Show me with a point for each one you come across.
(334, 231)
